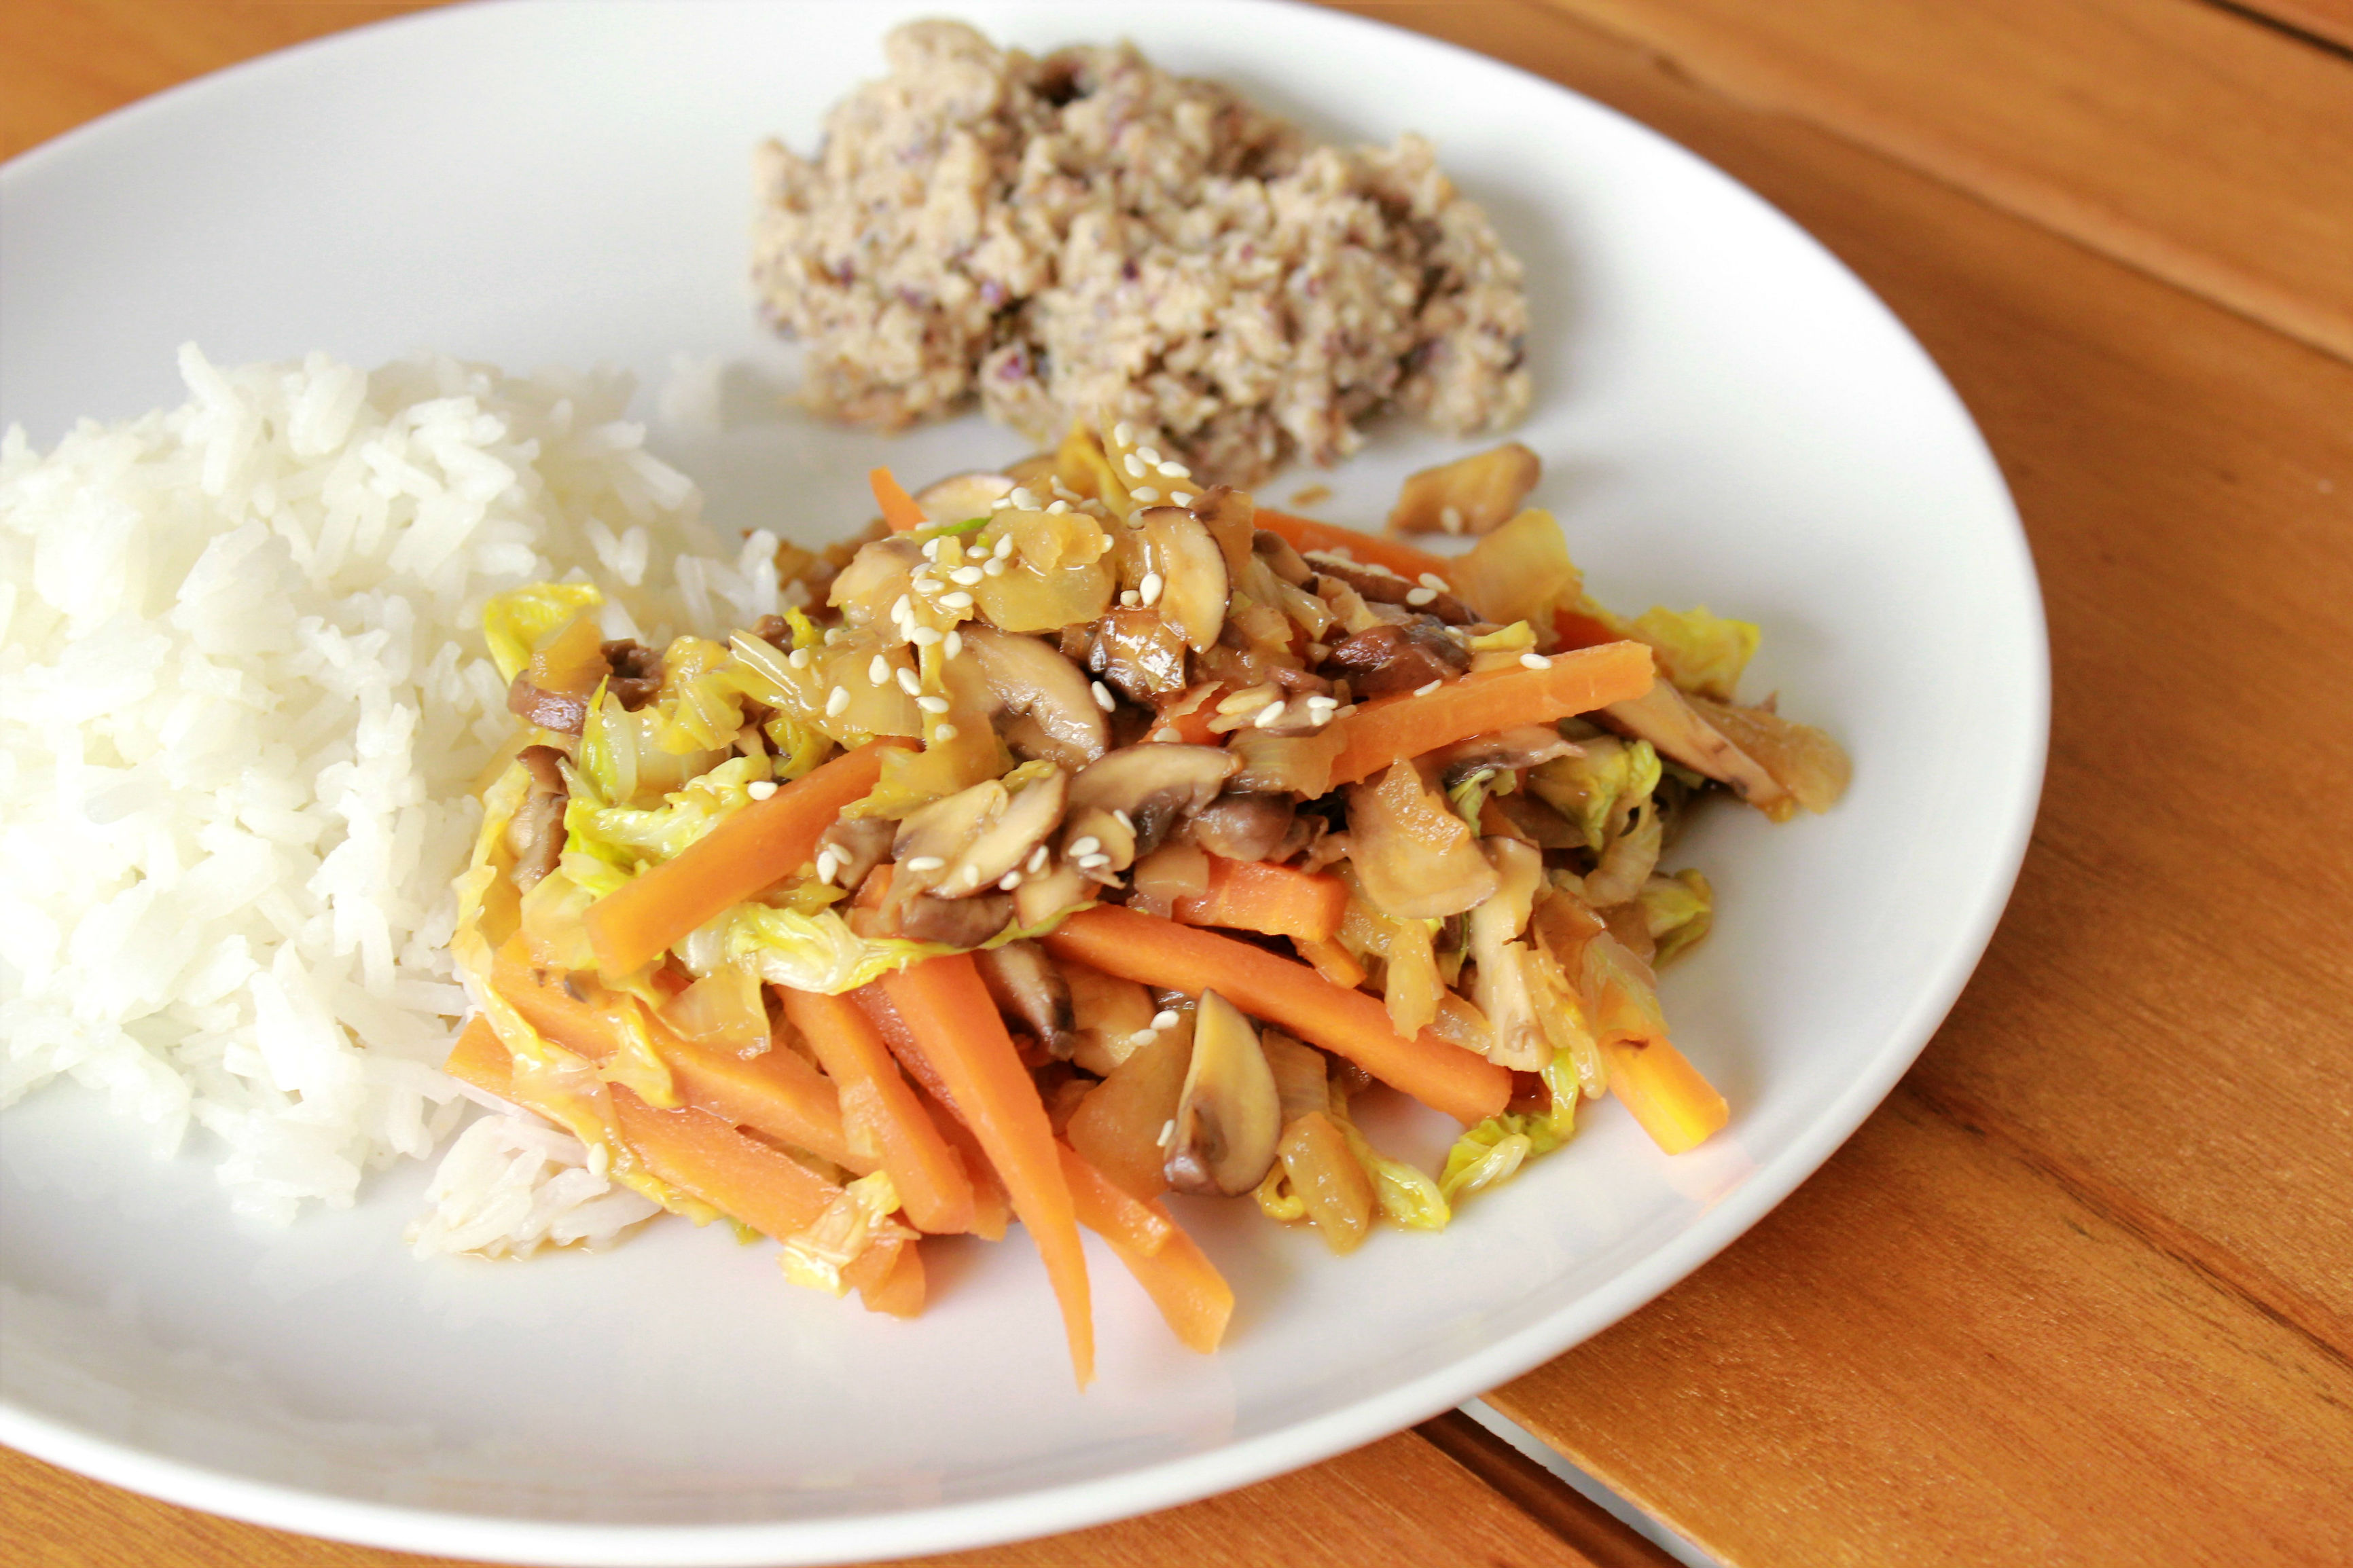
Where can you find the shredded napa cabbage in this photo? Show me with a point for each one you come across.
(1679, 909)
(1493, 1151)
(515, 622)
(1599, 791)
(1697, 651)
(858, 1219)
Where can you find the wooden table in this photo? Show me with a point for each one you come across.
(2081, 1290)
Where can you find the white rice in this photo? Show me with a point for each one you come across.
(244, 702)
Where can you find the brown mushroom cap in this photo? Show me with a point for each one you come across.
(1229, 1116)
(1245, 825)
(1402, 657)
(957, 846)
(1032, 680)
(1158, 785)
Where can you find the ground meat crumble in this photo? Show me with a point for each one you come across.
(1085, 236)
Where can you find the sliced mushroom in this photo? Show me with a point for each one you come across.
(1500, 987)
(1245, 826)
(1040, 898)
(1379, 585)
(1398, 658)
(1026, 983)
(637, 675)
(1302, 1083)
(1279, 555)
(1113, 1017)
(537, 830)
(1522, 746)
(962, 497)
(1033, 681)
(1158, 786)
(1415, 859)
(859, 845)
(1138, 653)
(1229, 1116)
(1675, 728)
(954, 922)
(876, 576)
(956, 847)
(1471, 495)
(1191, 593)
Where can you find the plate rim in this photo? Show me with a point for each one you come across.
(1042, 1511)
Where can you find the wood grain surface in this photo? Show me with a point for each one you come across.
(2082, 1292)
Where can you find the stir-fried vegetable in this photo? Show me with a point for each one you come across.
(1085, 835)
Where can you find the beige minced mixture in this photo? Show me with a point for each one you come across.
(1086, 236)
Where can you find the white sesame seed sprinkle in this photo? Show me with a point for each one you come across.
(959, 600)
(1057, 508)
(1167, 1132)
(902, 607)
(1036, 862)
(1174, 470)
(837, 701)
(1024, 499)
(1003, 547)
(1427, 690)
(910, 682)
(760, 789)
(1433, 581)
(1535, 661)
(1002, 503)
(1129, 599)
(1085, 846)
(1182, 497)
(923, 863)
(1124, 432)
(1450, 518)
(932, 704)
(1124, 820)
(1134, 465)
(944, 733)
(1103, 699)
(923, 636)
(1148, 591)
(952, 645)
(1270, 715)
(1092, 862)
(968, 576)
(1166, 1018)
(1163, 733)
(1008, 882)
(878, 671)
(833, 635)
(932, 549)
(799, 659)
(1151, 459)
(995, 567)
(1145, 493)
(828, 865)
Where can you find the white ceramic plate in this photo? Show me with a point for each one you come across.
(1727, 416)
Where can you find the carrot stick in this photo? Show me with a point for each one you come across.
(1162, 952)
(876, 1005)
(933, 1187)
(767, 840)
(1676, 1106)
(697, 1153)
(899, 1287)
(775, 1092)
(991, 1211)
(947, 1007)
(1332, 960)
(1106, 1208)
(1193, 1299)
(480, 1057)
(1387, 729)
(898, 507)
(1252, 895)
(1305, 533)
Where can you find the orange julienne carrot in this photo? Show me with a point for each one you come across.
(1277, 901)
(1161, 952)
(899, 1289)
(1332, 960)
(898, 507)
(1676, 1106)
(1109, 1210)
(765, 841)
(480, 1057)
(946, 1006)
(1388, 729)
(1305, 534)
(774, 1092)
(933, 1186)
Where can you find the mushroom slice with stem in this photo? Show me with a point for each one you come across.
(1389, 659)
(1245, 825)
(960, 498)
(1675, 728)
(1500, 986)
(956, 847)
(1033, 681)
(1379, 585)
(1026, 983)
(1504, 751)
(1190, 571)
(1158, 786)
(1229, 1116)
(536, 833)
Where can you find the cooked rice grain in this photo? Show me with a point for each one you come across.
(244, 699)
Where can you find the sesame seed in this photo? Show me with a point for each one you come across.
(902, 607)
(1433, 581)
(1426, 691)
(995, 567)
(837, 701)
(944, 733)
(1166, 1018)
(1124, 820)
(1124, 432)
(1143, 493)
(1175, 471)
(911, 683)
(1008, 882)
(1148, 591)
(1129, 599)
(1182, 497)
(1092, 862)
(1243, 701)
(923, 863)
(1535, 661)
(1085, 846)
(1001, 503)
(953, 644)
(1417, 597)
(1162, 734)
(958, 600)
(1037, 859)
(1134, 466)
(1151, 459)
(1270, 716)
(1057, 508)
(760, 789)
(833, 635)
(1103, 699)
(1167, 1132)
(878, 671)
(923, 636)
(1024, 499)
(932, 549)
(1064, 490)
(932, 704)
(1004, 546)
(799, 659)
(1450, 518)
(967, 575)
